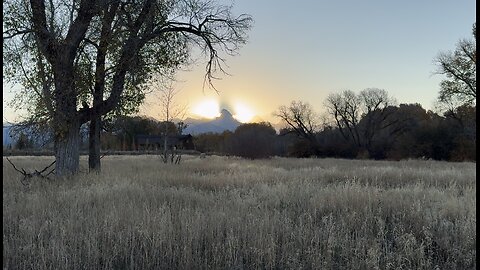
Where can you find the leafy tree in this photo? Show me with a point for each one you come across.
(65, 43)
(460, 69)
(253, 140)
(422, 134)
(212, 142)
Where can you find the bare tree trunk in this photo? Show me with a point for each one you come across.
(67, 151)
(165, 154)
(94, 144)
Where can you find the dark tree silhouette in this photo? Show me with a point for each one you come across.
(460, 67)
(253, 140)
(300, 117)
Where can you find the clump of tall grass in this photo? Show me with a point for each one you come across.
(219, 213)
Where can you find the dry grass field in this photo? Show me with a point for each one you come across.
(220, 213)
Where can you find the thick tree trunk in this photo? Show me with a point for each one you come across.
(66, 122)
(67, 151)
(94, 164)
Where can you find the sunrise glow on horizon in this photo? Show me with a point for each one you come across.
(208, 108)
(243, 112)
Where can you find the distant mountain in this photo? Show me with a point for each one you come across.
(217, 125)
(40, 140)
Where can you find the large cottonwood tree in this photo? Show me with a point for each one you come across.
(121, 34)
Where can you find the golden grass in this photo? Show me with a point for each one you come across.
(219, 213)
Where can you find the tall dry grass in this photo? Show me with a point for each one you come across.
(219, 213)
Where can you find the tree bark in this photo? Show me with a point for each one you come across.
(66, 123)
(94, 164)
(67, 151)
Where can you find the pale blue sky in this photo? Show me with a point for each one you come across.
(308, 49)
(304, 50)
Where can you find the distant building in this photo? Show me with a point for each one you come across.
(155, 142)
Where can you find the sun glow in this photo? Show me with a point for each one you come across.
(243, 113)
(207, 108)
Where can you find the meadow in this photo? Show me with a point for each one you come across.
(231, 213)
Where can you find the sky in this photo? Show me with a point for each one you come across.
(305, 50)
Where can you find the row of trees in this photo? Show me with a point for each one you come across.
(393, 132)
(403, 131)
(396, 132)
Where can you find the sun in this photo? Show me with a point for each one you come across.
(243, 113)
(208, 108)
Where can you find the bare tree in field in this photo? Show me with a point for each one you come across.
(170, 109)
(85, 57)
(301, 118)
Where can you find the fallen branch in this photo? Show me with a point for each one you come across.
(27, 176)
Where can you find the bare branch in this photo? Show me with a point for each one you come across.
(28, 176)
(15, 33)
(14, 167)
